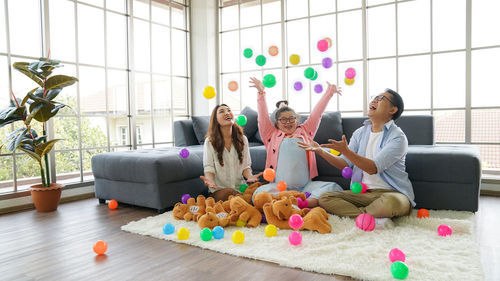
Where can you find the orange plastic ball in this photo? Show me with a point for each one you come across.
(281, 186)
(423, 213)
(112, 204)
(100, 247)
(269, 174)
(273, 51)
(233, 86)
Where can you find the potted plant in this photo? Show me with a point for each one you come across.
(38, 105)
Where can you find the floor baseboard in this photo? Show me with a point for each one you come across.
(31, 206)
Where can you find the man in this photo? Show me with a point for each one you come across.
(377, 153)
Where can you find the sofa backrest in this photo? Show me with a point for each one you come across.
(419, 129)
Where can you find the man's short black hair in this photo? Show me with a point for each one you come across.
(278, 103)
(397, 100)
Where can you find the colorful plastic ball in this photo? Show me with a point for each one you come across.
(347, 172)
(168, 228)
(364, 187)
(295, 238)
(281, 186)
(232, 86)
(112, 204)
(348, 81)
(396, 255)
(241, 120)
(327, 62)
(309, 72)
(218, 232)
(294, 59)
(206, 234)
(271, 230)
(273, 51)
(184, 198)
(184, 153)
(356, 187)
(334, 152)
(238, 237)
(183, 233)
(329, 40)
(295, 221)
(243, 187)
(209, 92)
(260, 60)
(315, 76)
(100, 247)
(269, 81)
(307, 193)
(240, 223)
(322, 45)
(423, 213)
(318, 88)
(248, 53)
(302, 203)
(399, 270)
(263, 220)
(444, 230)
(350, 73)
(365, 222)
(269, 174)
(297, 86)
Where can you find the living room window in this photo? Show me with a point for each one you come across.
(439, 55)
(123, 52)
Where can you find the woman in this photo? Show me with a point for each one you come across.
(226, 157)
(292, 164)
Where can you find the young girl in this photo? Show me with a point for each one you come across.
(292, 164)
(226, 157)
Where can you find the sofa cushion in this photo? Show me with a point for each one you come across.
(251, 127)
(200, 126)
(330, 127)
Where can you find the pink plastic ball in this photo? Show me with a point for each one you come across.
(295, 221)
(444, 230)
(396, 255)
(350, 73)
(365, 222)
(295, 238)
(322, 45)
(364, 187)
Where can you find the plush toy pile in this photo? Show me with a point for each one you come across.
(275, 209)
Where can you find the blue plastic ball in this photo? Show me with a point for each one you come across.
(168, 228)
(218, 232)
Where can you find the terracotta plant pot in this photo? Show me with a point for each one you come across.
(46, 199)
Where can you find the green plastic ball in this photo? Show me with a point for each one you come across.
(241, 120)
(309, 72)
(269, 81)
(260, 60)
(206, 234)
(315, 76)
(399, 270)
(243, 187)
(356, 187)
(248, 53)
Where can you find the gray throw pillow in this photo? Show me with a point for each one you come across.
(330, 127)
(251, 127)
(200, 126)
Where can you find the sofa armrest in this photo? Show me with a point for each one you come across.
(184, 133)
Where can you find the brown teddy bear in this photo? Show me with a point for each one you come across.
(215, 215)
(279, 211)
(247, 195)
(180, 210)
(240, 209)
(317, 219)
(265, 197)
(196, 208)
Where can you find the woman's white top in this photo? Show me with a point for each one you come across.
(231, 174)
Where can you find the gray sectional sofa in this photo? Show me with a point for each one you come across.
(443, 176)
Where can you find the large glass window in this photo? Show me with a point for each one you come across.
(418, 48)
(122, 53)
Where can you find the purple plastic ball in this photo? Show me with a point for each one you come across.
(318, 88)
(347, 172)
(297, 86)
(184, 153)
(185, 198)
(327, 62)
(307, 193)
(264, 220)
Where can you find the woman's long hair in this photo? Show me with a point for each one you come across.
(215, 135)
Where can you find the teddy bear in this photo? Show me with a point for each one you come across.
(317, 219)
(215, 215)
(196, 208)
(247, 194)
(240, 209)
(278, 212)
(179, 211)
(265, 197)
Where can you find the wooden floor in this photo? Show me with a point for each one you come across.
(58, 246)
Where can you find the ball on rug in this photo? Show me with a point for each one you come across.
(423, 213)
(271, 230)
(399, 270)
(444, 230)
(206, 234)
(238, 237)
(396, 255)
(365, 222)
(295, 238)
(168, 228)
(218, 232)
(183, 233)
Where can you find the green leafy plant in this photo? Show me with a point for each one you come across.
(38, 104)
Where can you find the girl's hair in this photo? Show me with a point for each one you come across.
(281, 110)
(215, 135)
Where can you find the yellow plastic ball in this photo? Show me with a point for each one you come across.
(183, 233)
(294, 59)
(334, 152)
(348, 81)
(238, 237)
(271, 230)
(209, 92)
(240, 223)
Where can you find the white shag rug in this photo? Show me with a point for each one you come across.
(348, 250)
